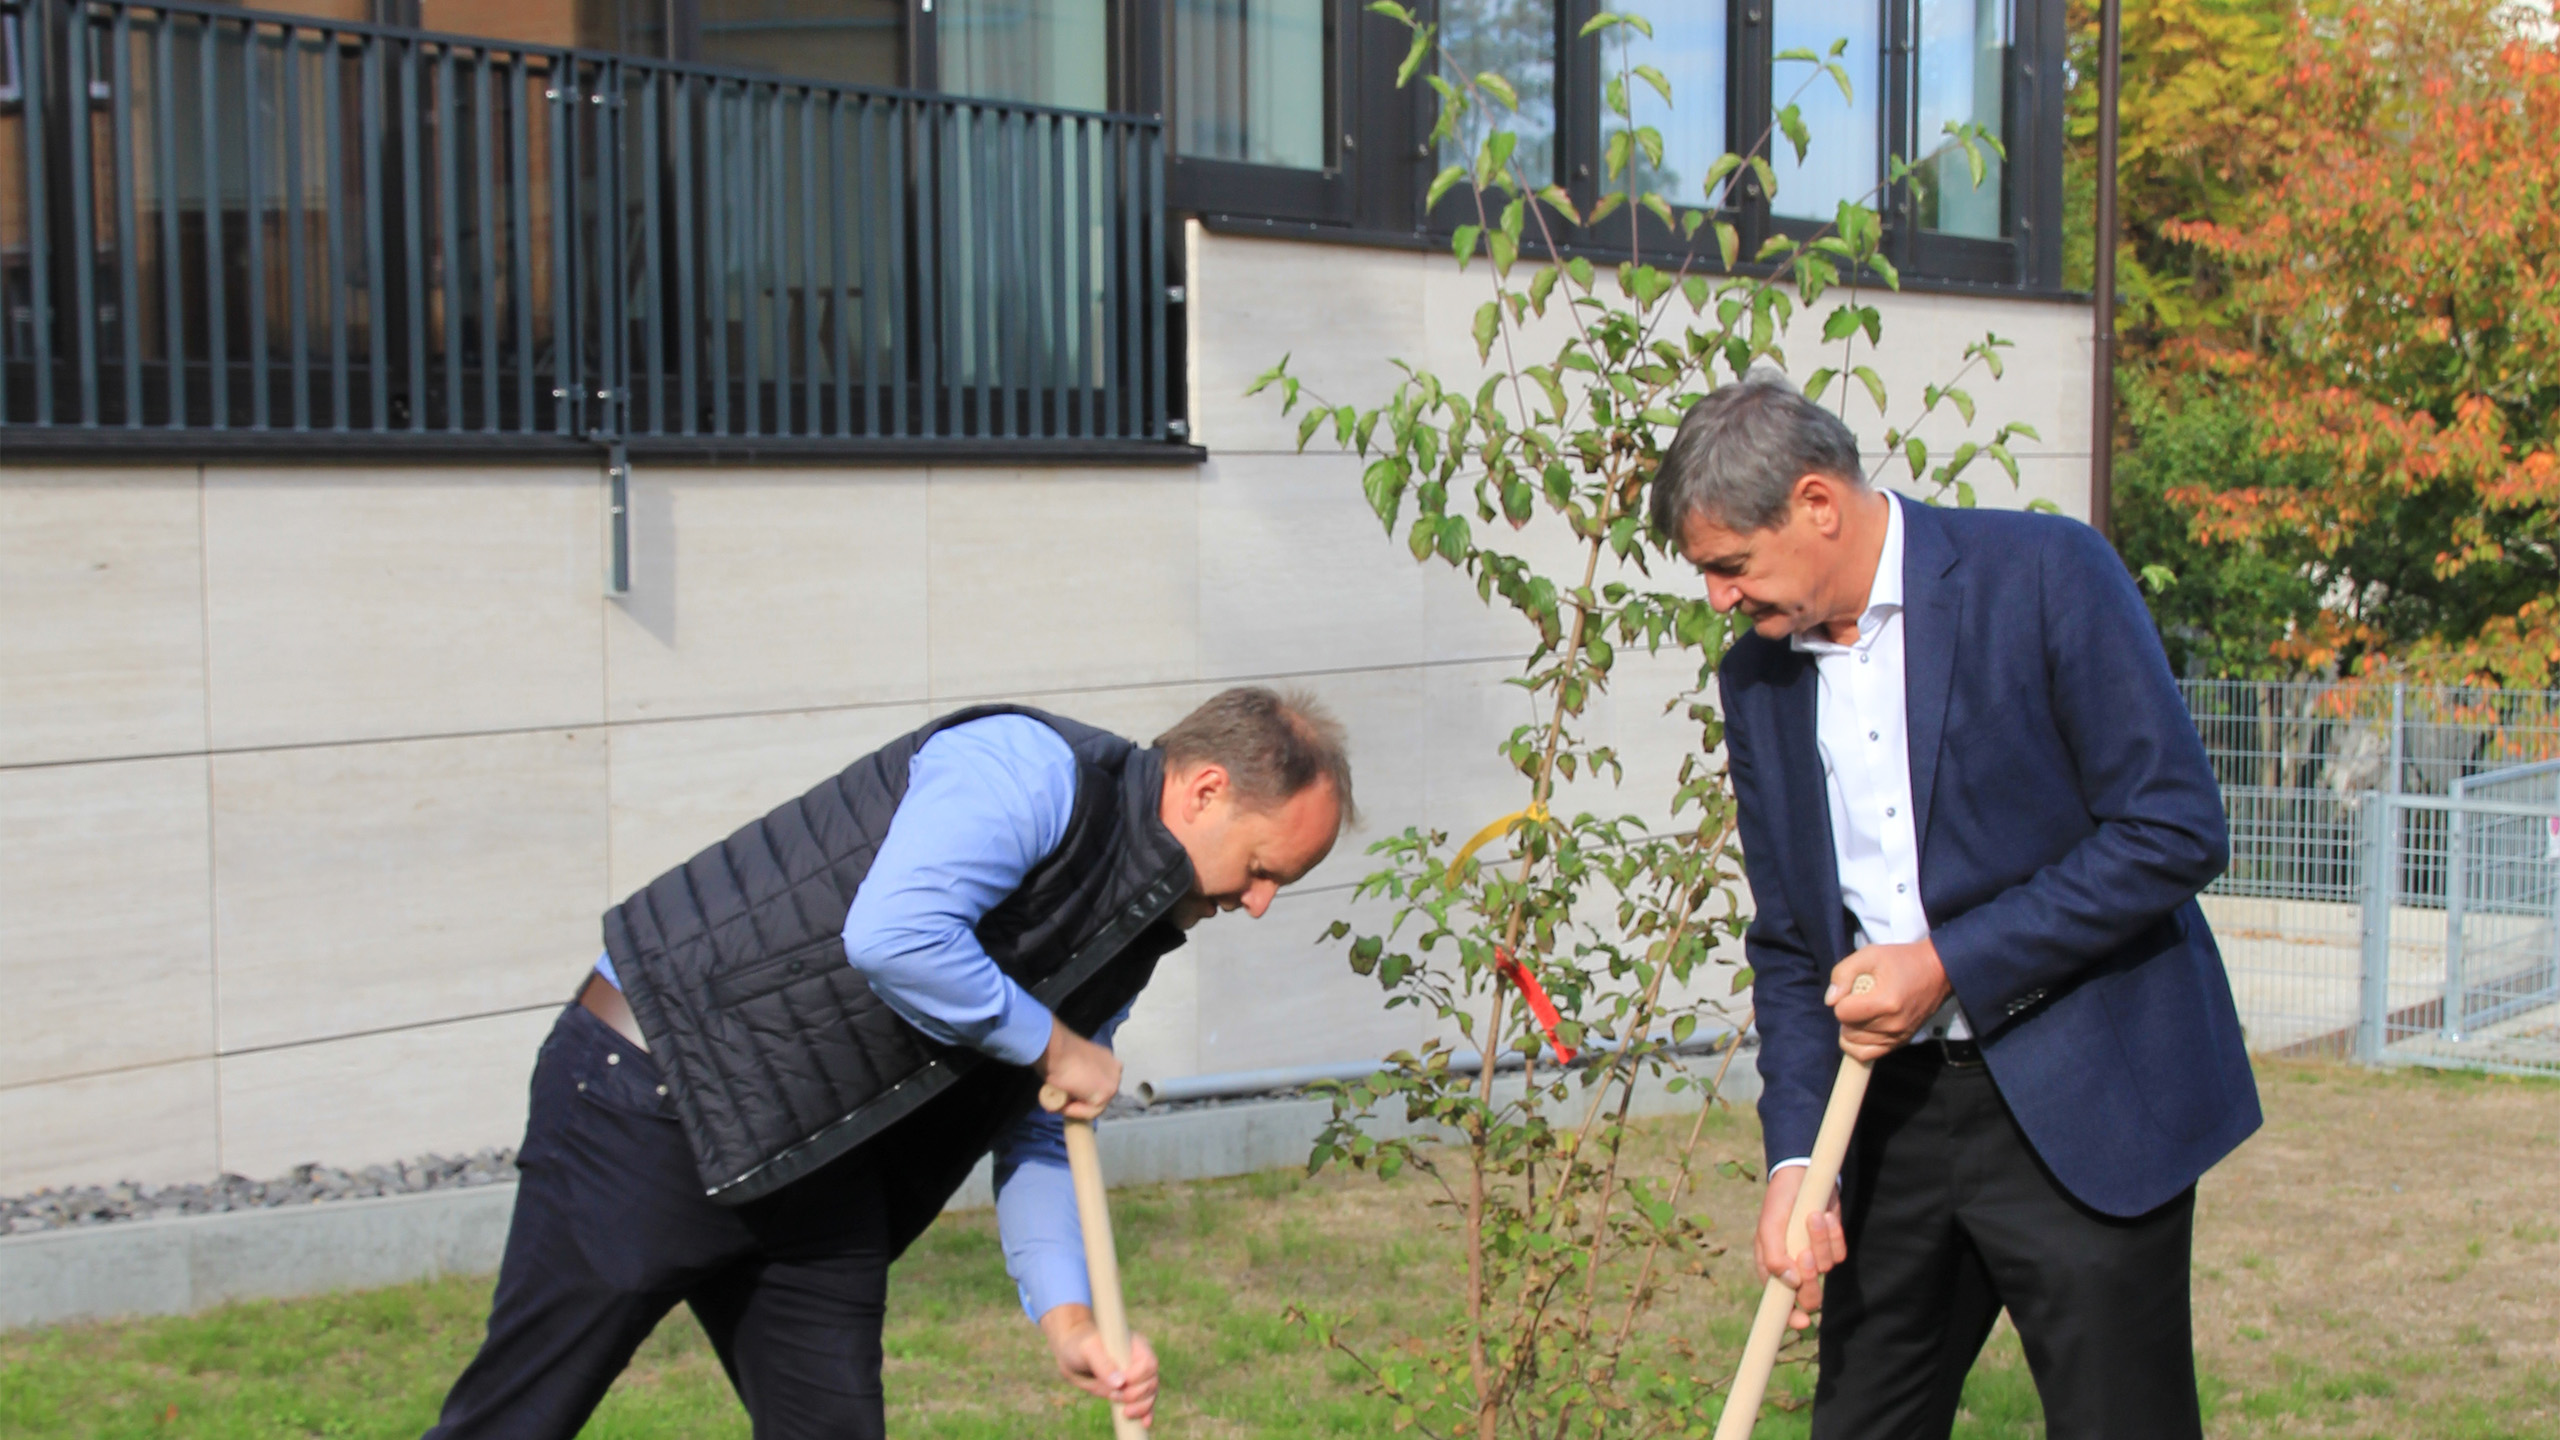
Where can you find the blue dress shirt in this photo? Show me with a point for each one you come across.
(985, 802)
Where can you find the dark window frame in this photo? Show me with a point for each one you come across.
(1388, 164)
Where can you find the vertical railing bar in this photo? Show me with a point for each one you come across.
(905, 277)
(1061, 369)
(1150, 219)
(719, 190)
(939, 391)
(333, 107)
(1022, 200)
(454, 286)
(687, 337)
(377, 356)
(982, 265)
(652, 260)
(809, 377)
(839, 264)
(1133, 238)
(83, 258)
(559, 101)
(297, 264)
(261, 415)
(871, 310)
(612, 291)
(1005, 256)
(1088, 419)
(740, 247)
(217, 288)
(995, 410)
(39, 261)
(377, 270)
(1111, 244)
(483, 216)
(413, 256)
(520, 291)
(128, 264)
(774, 249)
(164, 84)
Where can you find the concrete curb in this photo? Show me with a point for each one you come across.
(181, 1266)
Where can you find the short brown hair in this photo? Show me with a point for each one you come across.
(1271, 744)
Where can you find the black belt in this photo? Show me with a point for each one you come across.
(1941, 1051)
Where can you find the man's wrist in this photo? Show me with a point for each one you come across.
(1065, 1321)
(1024, 1035)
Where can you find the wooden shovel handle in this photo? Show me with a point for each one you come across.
(1769, 1324)
(1101, 1256)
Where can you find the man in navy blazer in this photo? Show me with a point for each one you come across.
(1963, 768)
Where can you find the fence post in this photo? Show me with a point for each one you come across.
(2374, 969)
(2457, 886)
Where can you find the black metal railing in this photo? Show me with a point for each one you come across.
(279, 230)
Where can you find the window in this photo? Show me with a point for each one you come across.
(1044, 52)
(1253, 81)
(1690, 49)
(1517, 40)
(1963, 66)
(852, 42)
(1845, 159)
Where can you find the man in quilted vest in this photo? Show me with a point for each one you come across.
(798, 1044)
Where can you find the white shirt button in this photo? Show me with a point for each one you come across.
(1899, 887)
(1888, 812)
(1872, 735)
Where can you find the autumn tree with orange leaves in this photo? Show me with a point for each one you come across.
(2396, 332)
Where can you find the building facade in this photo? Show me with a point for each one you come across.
(459, 460)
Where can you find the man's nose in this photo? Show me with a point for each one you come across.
(1258, 897)
(1722, 593)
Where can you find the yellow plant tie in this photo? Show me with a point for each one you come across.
(1535, 815)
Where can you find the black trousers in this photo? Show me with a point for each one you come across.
(1951, 1218)
(611, 1231)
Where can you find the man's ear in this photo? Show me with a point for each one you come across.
(1203, 786)
(1820, 495)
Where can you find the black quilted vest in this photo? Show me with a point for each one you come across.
(778, 1057)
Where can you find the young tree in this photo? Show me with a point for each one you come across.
(2400, 277)
(1571, 944)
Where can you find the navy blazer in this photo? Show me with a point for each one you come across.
(2066, 819)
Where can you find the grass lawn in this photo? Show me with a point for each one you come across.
(2383, 1261)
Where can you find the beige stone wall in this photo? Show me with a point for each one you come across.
(314, 780)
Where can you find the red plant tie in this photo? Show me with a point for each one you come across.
(1536, 994)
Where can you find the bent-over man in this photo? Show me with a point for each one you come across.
(1963, 769)
(797, 1045)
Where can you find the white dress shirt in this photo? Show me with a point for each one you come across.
(1860, 727)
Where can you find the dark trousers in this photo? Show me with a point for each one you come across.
(1950, 1218)
(611, 1231)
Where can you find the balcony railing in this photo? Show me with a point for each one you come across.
(226, 226)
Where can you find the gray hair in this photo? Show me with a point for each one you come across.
(1740, 451)
(1271, 744)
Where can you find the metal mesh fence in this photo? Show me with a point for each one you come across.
(2394, 888)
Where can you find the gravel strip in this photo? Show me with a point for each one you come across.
(308, 1184)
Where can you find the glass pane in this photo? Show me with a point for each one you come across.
(1515, 39)
(1042, 52)
(852, 42)
(1964, 52)
(1688, 47)
(1250, 81)
(1845, 159)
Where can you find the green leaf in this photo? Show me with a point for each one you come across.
(1798, 53)
(1488, 327)
(1383, 483)
(1613, 94)
(1462, 243)
(1442, 183)
(1542, 285)
(1500, 89)
(1307, 424)
(1580, 270)
(1654, 78)
(1561, 203)
(1264, 380)
(1424, 537)
(1622, 148)
(1874, 383)
(1728, 243)
(1885, 269)
(1413, 57)
(1917, 451)
(1841, 324)
(1963, 403)
(1607, 207)
(1820, 382)
(1390, 9)
(1661, 208)
(1602, 21)
(1840, 76)
(1695, 289)
(1364, 954)
(1505, 250)
(2158, 577)
(1791, 123)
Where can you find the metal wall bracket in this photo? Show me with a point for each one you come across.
(617, 561)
